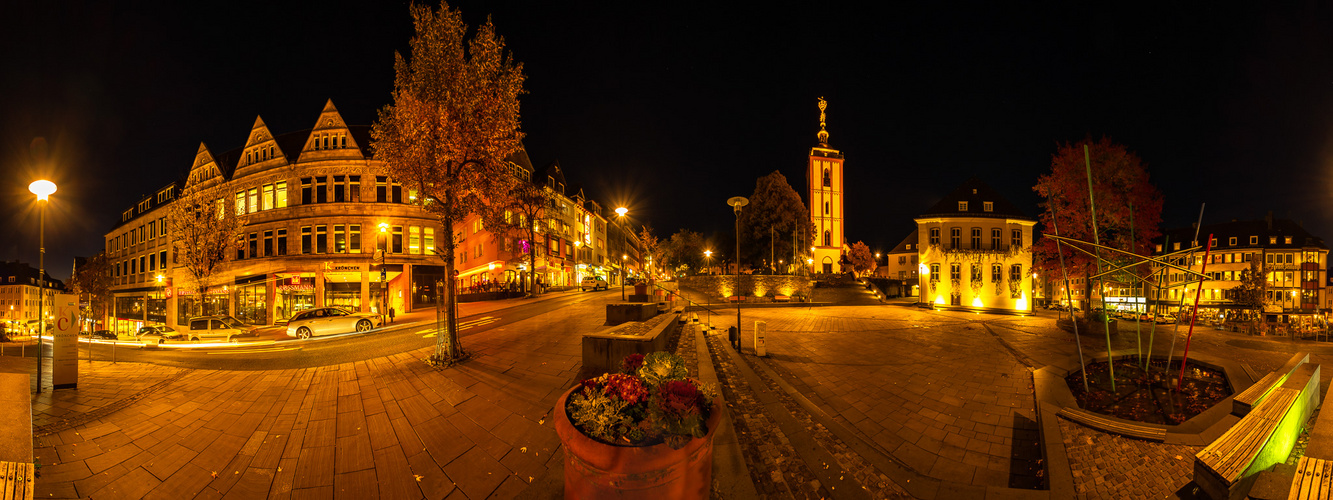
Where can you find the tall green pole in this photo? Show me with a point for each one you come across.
(1152, 330)
(1138, 329)
(1069, 300)
(1092, 210)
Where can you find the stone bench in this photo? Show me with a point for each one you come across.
(1264, 437)
(1113, 425)
(604, 351)
(16, 469)
(1245, 401)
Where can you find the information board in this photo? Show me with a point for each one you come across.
(65, 348)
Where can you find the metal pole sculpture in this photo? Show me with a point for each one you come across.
(1152, 330)
(1175, 329)
(1059, 251)
(1194, 314)
(1138, 322)
(1092, 210)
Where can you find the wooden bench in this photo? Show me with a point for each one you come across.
(1314, 479)
(1115, 426)
(781, 298)
(16, 465)
(16, 481)
(1245, 401)
(1227, 468)
(736, 298)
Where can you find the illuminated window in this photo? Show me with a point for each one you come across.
(253, 199)
(266, 201)
(339, 239)
(240, 203)
(429, 243)
(987, 206)
(280, 194)
(414, 240)
(934, 272)
(962, 206)
(1286, 240)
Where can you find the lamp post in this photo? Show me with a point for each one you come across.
(43, 189)
(736, 203)
(383, 251)
(620, 218)
(708, 259)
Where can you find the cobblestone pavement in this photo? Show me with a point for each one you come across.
(388, 427)
(100, 384)
(1115, 467)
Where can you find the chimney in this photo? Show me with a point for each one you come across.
(1269, 220)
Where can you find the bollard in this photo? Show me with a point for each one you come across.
(731, 337)
(759, 348)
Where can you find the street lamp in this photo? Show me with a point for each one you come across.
(43, 189)
(708, 257)
(620, 218)
(736, 203)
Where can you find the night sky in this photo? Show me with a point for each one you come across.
(671, 109)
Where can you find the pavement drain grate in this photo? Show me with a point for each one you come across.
(102, 411)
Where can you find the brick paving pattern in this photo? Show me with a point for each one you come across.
(1116, 467)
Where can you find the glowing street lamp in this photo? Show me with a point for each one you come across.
(708, 258)
(620, 217)
(43, 189)
(736, 203)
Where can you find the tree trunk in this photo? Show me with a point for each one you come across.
(450, 335)
(532, 259)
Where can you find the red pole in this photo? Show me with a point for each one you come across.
(1194, 314)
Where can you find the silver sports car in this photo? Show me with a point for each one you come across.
(329, 321)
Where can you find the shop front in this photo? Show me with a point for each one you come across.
(216, 302)
(129, 314)
(251, 298)
(424, 287)
(295, 293)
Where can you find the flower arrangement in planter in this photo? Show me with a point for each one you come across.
(644, 433)
(650, 402)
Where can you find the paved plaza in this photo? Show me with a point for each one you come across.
(879, 401)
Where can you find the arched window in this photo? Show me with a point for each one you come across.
(828, 178)
(826, 208)
(828, 238)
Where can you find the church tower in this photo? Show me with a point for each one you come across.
(824, 177)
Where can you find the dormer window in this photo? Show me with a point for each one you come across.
(1286, 240)
(1232, 241)
(1272, 240)
(962, 206)
(1254, 240)
(988, 206)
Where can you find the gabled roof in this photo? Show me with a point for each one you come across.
(976, 193)
(331, 126)
(911, 239)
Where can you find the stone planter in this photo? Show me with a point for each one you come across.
(598, 470)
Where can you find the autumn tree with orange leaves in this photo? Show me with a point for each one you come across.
(1120, 186)
(453, 121)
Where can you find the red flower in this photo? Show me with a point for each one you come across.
(680, 398)
(632, 363)
(627, 387)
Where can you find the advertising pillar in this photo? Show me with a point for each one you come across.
(65, 348)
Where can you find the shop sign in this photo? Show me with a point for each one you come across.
(329, 266)
(297, 287)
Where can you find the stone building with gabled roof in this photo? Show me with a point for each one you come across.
(975, 252)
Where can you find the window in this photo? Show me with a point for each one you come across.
(826, 208)
(397, 190)
(253, 200)
(1158, 248)
(828, 178)
(828, 238)
(1254, 240)
(240, 203)
(398, 239)
(987, 206)
(321, 239)
(1272, 240)
(414, 240)
(934, 236)
(268, 243)
(282, 242)
(254, 245)
(353, 187)
(1016, 238)
(339, 239)
(1016, 273)
(162, 259)
(962, 206)
(306, 192)
(152, 263)
(354, 238)
(344, 139)
(1286, 240)
(266, 201)
(381, 189)
(306, 244)
(955, 238)
(934, 272)
(1232, 242)
(995, 238)
(996, 273)
(240, 247)
(339, 189)
(1212, 242)
(280, 190)
(321, 189)
(1175, 246)
(975, 273)
(955, 272)
(976, 238)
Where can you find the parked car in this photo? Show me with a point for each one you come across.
(158, 333)
(104, 335)
(593, 282)
(1165, 319)
(218, 328)
(1145, 317)
(329, 321)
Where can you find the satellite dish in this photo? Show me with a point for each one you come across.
(738, 201)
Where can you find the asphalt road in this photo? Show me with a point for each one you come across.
(291, 354)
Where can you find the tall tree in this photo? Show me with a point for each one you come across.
(650, 248)
(1120, 185)
(767, 224)
(453, 121)
(685, 248)
(93, 279)
(205, 232)
(862, 261)
(1253, 285)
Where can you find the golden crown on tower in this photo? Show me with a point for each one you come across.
(823, 134)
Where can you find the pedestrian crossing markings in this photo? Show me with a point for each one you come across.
(462, 325)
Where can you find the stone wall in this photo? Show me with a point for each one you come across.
(719, 287)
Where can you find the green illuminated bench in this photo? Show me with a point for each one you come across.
(1227, 468)
(1245, 401)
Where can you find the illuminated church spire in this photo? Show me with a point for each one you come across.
(823, 134)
